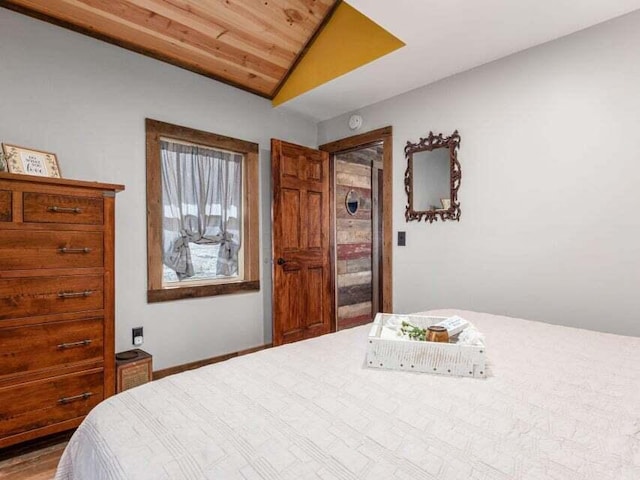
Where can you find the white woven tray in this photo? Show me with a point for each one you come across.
(396, 353)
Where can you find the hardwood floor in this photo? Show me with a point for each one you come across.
(36, 460)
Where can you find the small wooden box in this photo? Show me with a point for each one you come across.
(133, 368)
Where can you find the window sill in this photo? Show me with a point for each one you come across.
(198, 291)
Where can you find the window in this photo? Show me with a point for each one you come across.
(202, 213)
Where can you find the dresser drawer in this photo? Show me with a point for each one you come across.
(20, 250)
(32, 296)
(48, 208)
(5, 206)
(38, 404)
(46, 345)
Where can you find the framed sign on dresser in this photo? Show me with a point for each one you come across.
(56, 303)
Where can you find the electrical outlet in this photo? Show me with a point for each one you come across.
(402, 239)
(137, 337)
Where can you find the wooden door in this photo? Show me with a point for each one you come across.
(302, 278)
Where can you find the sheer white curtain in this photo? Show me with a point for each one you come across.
(202, 204)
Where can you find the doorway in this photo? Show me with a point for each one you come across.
(304, 237)
(362, 226)
(358, 237)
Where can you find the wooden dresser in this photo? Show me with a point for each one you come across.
(56, 303)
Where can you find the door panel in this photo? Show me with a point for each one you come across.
(315, 282)
(315, 217)
(290, 201)
(314, 171)
(289, 167)
(302, 290)
(291, 307)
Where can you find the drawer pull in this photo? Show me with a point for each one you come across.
(81, 343)
(57, 209)
(82, 396)
(74, 250)
(86, 293)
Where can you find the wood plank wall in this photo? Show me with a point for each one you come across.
(354, 237)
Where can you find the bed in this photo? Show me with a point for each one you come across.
(560, 403)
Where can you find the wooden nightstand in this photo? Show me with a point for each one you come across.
(133, 368)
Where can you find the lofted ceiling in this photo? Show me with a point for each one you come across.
(445, 37)
(290, 52)
(251, 44)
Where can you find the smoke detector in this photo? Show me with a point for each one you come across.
(355, 122)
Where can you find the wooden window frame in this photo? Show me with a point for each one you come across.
(156, 292)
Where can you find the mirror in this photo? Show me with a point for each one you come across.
(432, 178)
(352, 202)
(431, 173)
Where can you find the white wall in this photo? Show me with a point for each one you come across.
(550, 226)
(87, 101)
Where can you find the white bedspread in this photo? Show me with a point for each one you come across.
(561, 403)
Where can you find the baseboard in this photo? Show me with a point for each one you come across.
(29, 446)
(165, 372)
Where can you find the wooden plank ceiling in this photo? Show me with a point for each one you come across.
(251, 44)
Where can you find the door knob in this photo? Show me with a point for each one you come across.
(281, 261)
